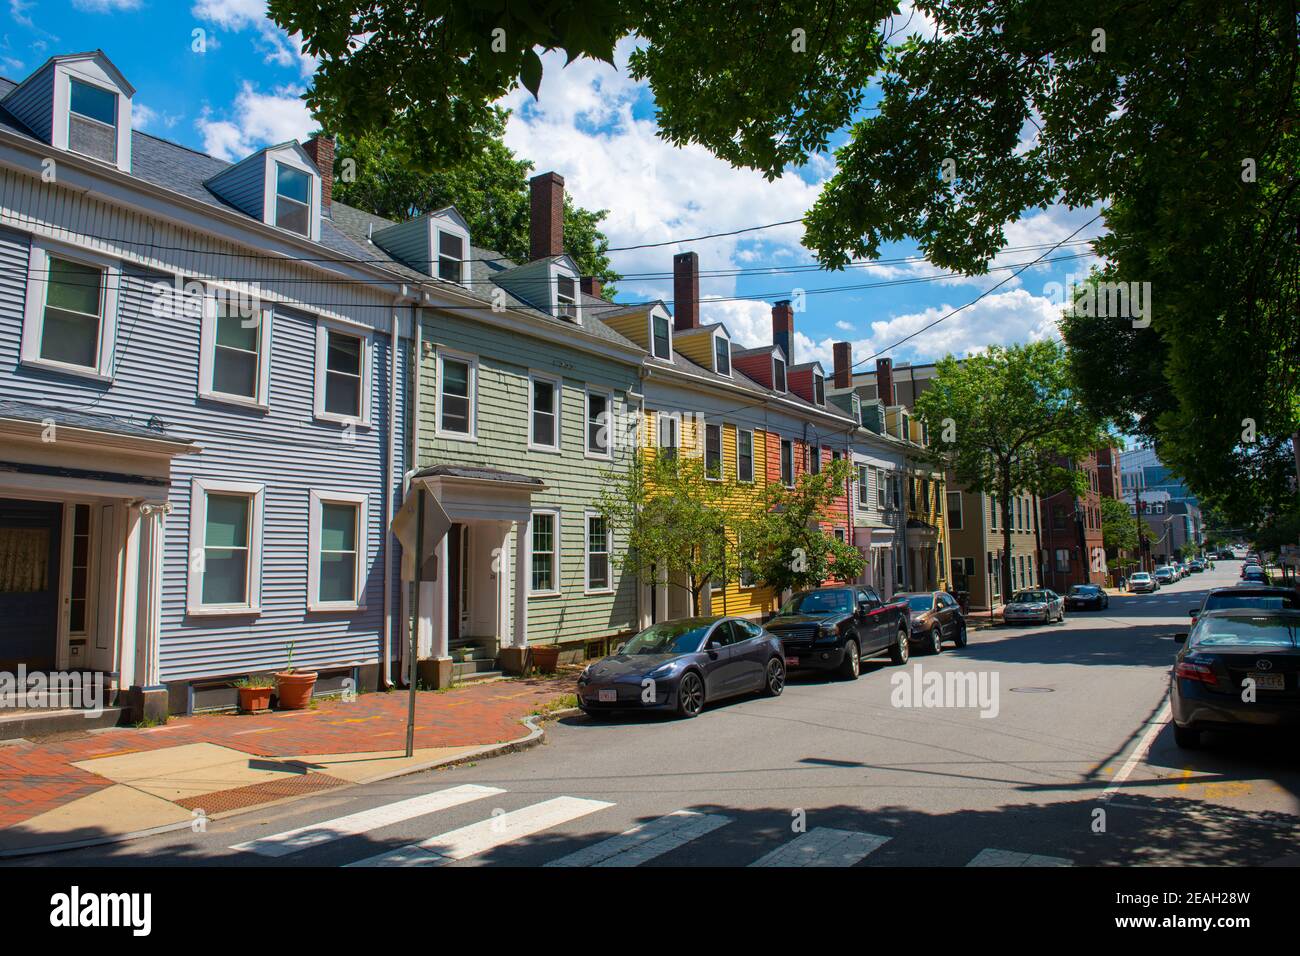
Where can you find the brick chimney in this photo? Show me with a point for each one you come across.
(320, 149)
(546, 216)
(843, 353)
(686, 291)
(783, 328)
(592, 286)
(885, 380)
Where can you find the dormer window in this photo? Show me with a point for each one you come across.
(722, 356)
(451, 256)
(778, 373)
(92, 121)
(662, 343)
(566, 296)
(292, 199)
(819, 388)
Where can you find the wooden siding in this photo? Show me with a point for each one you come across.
(574, 480)
(244, 185)
(696, 346)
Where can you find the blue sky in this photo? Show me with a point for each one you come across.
(595, 126)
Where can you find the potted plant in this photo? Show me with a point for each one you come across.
(255, 692)
(545, 657)
(293, 688)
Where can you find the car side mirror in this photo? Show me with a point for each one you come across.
(1180, 637)
(618, 648)
(713, 645)
(1194, 611)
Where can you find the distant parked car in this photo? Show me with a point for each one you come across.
(1165, 574)
(1254, 574)
(832, 628)
(1196, 566)
(1225, 649)
(1141, 582)
(1086, 597)
(1035, 604)
(681, 665)
(936, 617)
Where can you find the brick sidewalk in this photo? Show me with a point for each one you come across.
(39, 777)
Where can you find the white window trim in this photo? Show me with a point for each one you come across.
(558, 552)
(818, 377)
(586, 554)
(38, 271)
(864, 487)
(207, 356)
(436, 228)
(719, 337)
(270, 177)
(794, 470)
(668, 322)
(200, 488)
(785, 374)
(753, 456)
(722, 451)
(610, 418)
(576, 315)
(660, 415)
(472, 362)
(63, 78)
(361, 501)
(323, 328)
(558, 385)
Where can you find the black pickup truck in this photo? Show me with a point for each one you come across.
(831, 628)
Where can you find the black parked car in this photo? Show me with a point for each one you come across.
(1086, 597)
(1224, 650)
(681, 665)
(936, 617)
(1242, 595)
(832, 628)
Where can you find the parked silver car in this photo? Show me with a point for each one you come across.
(1041, 605)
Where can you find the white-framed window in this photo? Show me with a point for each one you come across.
(225, 560)
(342, 374)
(787, 462)
(70, 314)
(864, 486)
(954, 510)
(235, 350)
(668, 435)
(1062, 559)
(457, 413)
(814, 459)
(744, 455)
(661, 334)
(721, 355)
(882, 491)
(840, 535)
(451, 256)
(713, 451)
(545, 545)
(545, 395)
(819, 388)
(293, 199)
(92, 120)
(566, 295)
(600, 424)
(336, 549)
(778, 374)
(597, 548)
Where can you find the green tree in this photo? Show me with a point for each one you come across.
(1007, 422)
(489, 188)
(675, 522)
(784, 543)
(1118, 527)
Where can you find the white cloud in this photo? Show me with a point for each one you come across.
(18, 12)
(748, 320)
(259, 119)
(145, 117)
(275, 45)
(845, 326)
(106, 6)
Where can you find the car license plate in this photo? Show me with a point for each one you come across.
(792, 662)
(607, 696)
(1267, 681)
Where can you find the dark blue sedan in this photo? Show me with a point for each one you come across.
(680, 665)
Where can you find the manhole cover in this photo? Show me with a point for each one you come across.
(1032, 690)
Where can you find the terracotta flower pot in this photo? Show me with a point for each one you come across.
(546, 657)
(254, 699)
(294, 689)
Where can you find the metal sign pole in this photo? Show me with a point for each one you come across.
(415, 623)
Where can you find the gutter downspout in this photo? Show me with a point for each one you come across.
(389, 474)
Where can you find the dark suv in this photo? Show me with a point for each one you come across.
(831, 628)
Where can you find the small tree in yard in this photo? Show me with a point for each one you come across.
(1004, 421)
(674, 520)
(1118, 533)
(786, 548)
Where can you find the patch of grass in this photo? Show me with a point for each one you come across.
(150, 722)
(563, 702)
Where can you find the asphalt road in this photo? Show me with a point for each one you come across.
(1076, 767)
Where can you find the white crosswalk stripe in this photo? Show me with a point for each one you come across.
(485, 835)
(824, 846)
(291, 841)
(646, 840)
(990, 857)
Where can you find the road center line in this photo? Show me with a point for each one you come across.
(1139, 752)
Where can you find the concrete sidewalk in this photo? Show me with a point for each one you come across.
(98, 786)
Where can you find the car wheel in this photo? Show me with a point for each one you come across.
(851, 665)
(690, 695)
(935, 644)
(960, 640)
(775, 680)
(1187, 737)
(902, 650)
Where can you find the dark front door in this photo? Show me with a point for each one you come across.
(30, 537)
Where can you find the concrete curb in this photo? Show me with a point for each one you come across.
(536, 733)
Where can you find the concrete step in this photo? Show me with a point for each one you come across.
(41, 723)
(478, 677)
